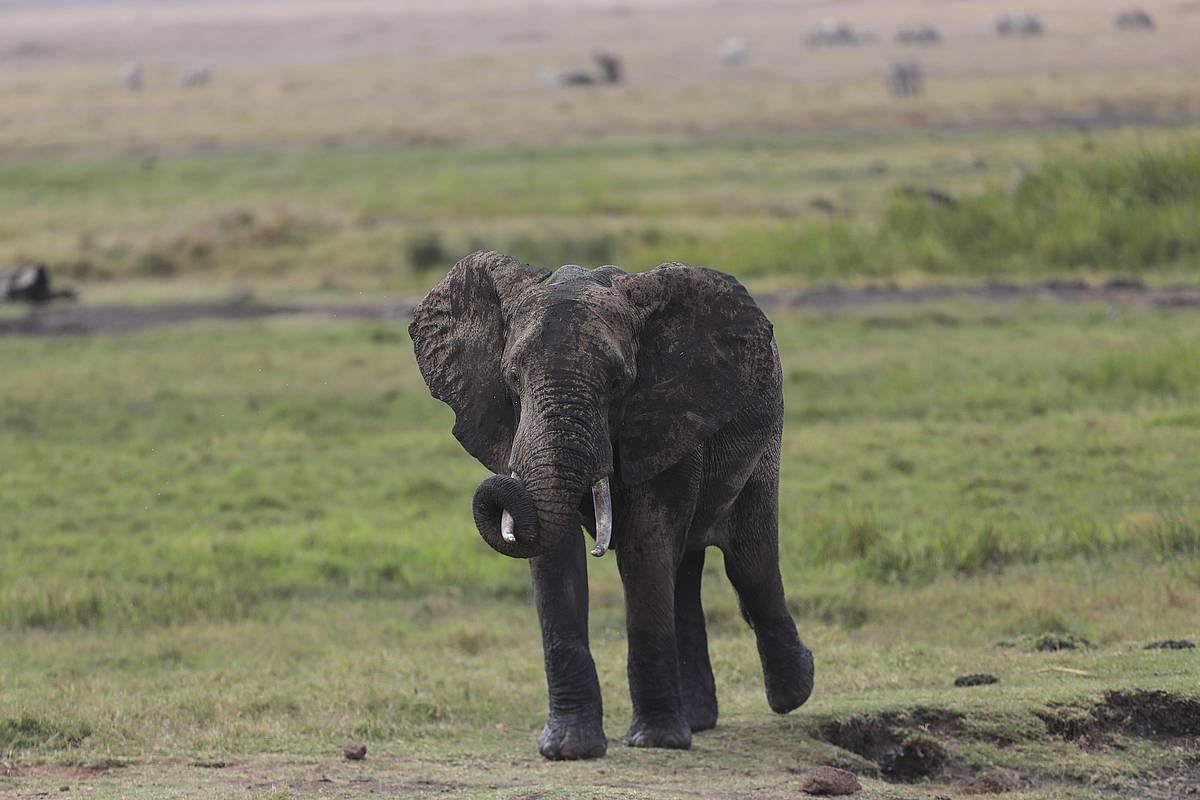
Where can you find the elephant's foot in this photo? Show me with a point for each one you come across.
(788, 675)
(674, 734)
(700, 713)
(572, 738)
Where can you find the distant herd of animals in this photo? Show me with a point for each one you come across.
(836, 32)
(133, 77)
(905, 80)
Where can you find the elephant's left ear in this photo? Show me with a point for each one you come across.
(705, 351)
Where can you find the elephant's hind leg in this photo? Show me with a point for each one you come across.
(752, 563)
(696, 677)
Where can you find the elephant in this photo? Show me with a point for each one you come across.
(648, 409)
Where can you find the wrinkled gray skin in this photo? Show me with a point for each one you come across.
(669, 383)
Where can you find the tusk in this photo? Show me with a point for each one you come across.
(602, 497)
(506, 525)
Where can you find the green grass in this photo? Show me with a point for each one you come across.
(1128, 212)
(204, 472)
(771, 209)
(227, 551)
(253, 544)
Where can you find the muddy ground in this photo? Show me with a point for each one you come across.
(920, 748)
(84, 319)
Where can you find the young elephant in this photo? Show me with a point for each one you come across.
(649, 408)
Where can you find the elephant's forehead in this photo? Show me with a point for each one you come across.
(572, 314)
(575, 303)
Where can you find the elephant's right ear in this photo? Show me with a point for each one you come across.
(458, 333)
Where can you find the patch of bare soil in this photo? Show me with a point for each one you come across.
(920, 743)
(62, 772)
(1178, 785)
(1154, 715)
(80, 319)
(1116, 292)
(904, 744)
(84, 320)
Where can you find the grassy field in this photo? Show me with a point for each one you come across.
(252, 544)
(360, 146)
(775, 210)
(227, 551)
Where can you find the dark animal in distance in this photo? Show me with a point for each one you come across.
(609, 65)
(197, 77)
(31, 284)
(835, 32)
(131, 76)
(1019, 25)
(647, 408)
(907, 79)
(918, 34)
(1133, 19)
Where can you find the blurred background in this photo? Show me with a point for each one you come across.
(326, 147)
(235, 530)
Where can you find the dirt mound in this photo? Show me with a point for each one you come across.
(902, 743)
(1171, 644)
(1053, 642)
(830, 781)
(981, 679)
(923, 743)
(995, 781)
(1154, 715)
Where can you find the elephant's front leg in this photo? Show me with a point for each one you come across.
(647, 566)
(575, 727)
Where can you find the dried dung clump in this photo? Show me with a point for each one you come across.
(1052, 642)
(830, 782)
(993, 781)
(980, 679)
(1171, 644)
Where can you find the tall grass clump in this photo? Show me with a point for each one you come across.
(29, 732)
(1166, 370)
(965, 547)
(1128, 212)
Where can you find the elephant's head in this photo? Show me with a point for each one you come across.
(558, 383)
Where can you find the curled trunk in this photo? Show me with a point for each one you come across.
(529, 512)
(498, 496)
(540, 516)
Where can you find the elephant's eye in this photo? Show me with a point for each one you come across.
(514, 380)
